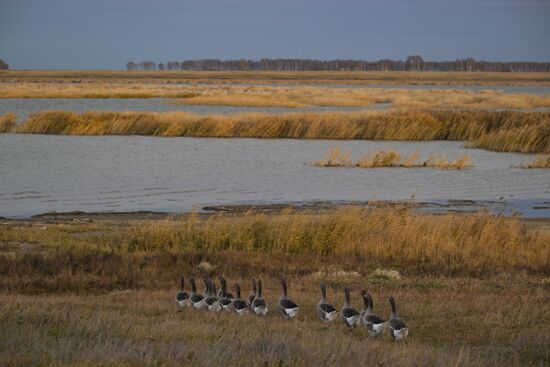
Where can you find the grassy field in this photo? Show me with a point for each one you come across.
(540, 161)
(472, 288)
(270, 77)
(334, 157)
(527, 132)
(281, 96)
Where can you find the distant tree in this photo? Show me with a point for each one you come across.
(148, 65)
(160, 66)
(130, 65)
(415, 63)
(4, 65)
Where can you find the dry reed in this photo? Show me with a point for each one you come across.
(540, 161)
(7, 122)
(527, 132)
(335, 158)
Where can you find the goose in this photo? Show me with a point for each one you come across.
(182, 297)
(398, 329)
(211, 300)
(225, 301)
(240, 306)
(371, 321)
(258, 304)
(350, 316)
(197, 299)
(326, 311)
(288, 307)
(252, 294)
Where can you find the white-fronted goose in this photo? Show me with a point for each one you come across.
(374, 324)
(259, 306)
(225, 301)
(252, 294)
(350, 316)
(240, 306)
(326, 311)
(288, 307)
(398, 329)
(182, 297)
(197, 299)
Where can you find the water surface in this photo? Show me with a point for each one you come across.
(44, 173)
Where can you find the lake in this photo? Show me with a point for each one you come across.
(45, 173)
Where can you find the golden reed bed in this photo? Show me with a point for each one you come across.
(334, 157)
(527, 132)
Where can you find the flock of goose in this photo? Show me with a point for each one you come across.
(221, 300)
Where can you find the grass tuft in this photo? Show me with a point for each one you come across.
(8, 122)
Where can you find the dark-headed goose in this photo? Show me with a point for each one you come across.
(225, 301)
(350, 316)
(182, 297)
(197, 299)
(258, 304)
(326, 311)
(398, 329)
(252, 293)
(374, 324)
(238, 305)
(288, 307)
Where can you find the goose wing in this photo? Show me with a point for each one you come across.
(287, 303)
(196, 298)
(349, 312)
(258, 302)
(374, 319)
(181, 296)
(239, 304)
(397, 323)
(325, 307)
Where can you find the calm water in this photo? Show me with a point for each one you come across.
(41, 173)
(25, 106)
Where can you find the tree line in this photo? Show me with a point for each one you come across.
(412, 63)
(4, 65)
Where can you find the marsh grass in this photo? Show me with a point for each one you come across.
(335, 158)
(540, 161)
(527, 132)
(8, 122)
(138, 327)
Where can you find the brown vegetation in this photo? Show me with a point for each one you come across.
(273, 77)
(540, 161)
(335, 158)
(92, 293)
(7, 122)
(527, 132)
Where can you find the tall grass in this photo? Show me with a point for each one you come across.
(527, 132)
(7, 122)
(449, 244)
(391, 158)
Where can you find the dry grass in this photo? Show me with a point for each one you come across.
(283, 96)
(335, 158)
(452, 322)
(271, 77)
(94, 293)
(7, 122)
(540, 161)
(527, 132)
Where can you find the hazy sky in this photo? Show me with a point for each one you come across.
(104, 34)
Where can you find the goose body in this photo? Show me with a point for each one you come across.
(397, 328)
(225, 301)
(239, 305)
(252, 294)
(211, 300)
(374, 324)
(349, 315)
(259, 306)
(197, 299)
(326, 311)
(182, 297)
(288, 307)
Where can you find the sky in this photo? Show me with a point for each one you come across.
(105, 34)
